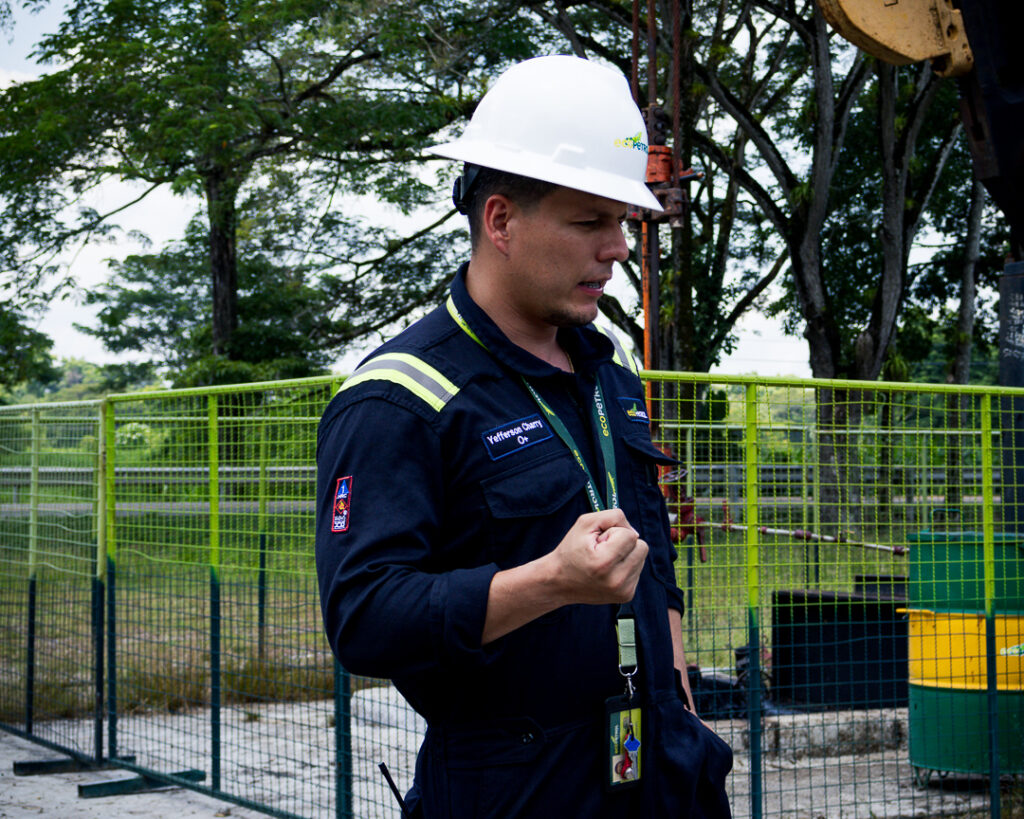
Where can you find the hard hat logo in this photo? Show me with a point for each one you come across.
(561, 119)
(636, 141)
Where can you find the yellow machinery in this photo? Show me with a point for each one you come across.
(904, 31)
(976, 41)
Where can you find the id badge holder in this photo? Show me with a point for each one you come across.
(625, 730)
(623, 716)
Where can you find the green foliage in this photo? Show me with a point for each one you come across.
(24, 352)
(74, 379)
(281, 115)
(926, 344)
(294, 317)
(235, 103)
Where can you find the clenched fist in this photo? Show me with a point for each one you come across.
(600, 559)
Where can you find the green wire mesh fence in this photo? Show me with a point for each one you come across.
(840, 554)
(50, 584)
(848, 554)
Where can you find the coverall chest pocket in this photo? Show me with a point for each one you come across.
(530, 507)
(647, 458)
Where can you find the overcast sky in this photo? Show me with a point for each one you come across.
(762, 347)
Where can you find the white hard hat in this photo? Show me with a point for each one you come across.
(564, 120)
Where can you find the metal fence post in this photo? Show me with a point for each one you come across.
(108, 444)
(753, 601)
(988, 537)
(99, 577)
(213, 459)
(805, 495)
(691, 493)
(923, 478)
(816, 505)
(342, 725)
(342, 743)
(261, 578)
(33, 562)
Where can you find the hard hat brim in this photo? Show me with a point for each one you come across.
(524, 163)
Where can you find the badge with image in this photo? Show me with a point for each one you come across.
(625, 722)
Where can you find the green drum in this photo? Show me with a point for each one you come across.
(949, 730)
(947, 572)
(948, 679)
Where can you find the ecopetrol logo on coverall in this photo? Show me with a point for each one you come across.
(635, 411)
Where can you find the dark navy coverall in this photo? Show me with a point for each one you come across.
(426, 489)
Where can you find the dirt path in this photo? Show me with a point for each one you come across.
(56, 795)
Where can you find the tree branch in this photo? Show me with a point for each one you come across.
(751, 295)
(763, 198)
(340, 67)
(744, 118)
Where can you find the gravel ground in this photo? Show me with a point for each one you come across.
(56, 795)
(825, 766)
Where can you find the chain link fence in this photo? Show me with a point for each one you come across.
(849, 558)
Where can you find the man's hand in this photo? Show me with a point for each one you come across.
(598, 561)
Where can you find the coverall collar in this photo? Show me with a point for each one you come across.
(587, 347)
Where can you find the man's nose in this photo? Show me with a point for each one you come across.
(616, 248)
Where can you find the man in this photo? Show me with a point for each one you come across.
(491, 534)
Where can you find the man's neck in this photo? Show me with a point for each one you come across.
(537, 338)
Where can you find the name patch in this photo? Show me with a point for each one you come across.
(342, 504)
(635, 410)
(513, 436)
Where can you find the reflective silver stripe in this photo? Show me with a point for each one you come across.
(422, 380)
(622, 358)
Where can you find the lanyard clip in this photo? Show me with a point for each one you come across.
(625, 633)
(630, 689)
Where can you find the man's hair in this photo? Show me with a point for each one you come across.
(527, 193)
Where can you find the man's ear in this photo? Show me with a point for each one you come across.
(498, 212)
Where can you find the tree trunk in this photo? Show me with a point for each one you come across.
(221, 191)
(960, 365)
(873, 342)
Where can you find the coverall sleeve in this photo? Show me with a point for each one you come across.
(663, 554)
(654, 513)
(388, 606)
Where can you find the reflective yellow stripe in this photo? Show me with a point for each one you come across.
(422, 380)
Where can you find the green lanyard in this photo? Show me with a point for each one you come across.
(604, 439)
(625, 626)
(597, 503)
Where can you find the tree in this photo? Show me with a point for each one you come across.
(799, 204)
(954, 292)
(221, 97)
(291, 319)
(24, 352)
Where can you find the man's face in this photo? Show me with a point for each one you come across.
(560, 257)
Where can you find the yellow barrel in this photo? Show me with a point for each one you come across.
(947, 650)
